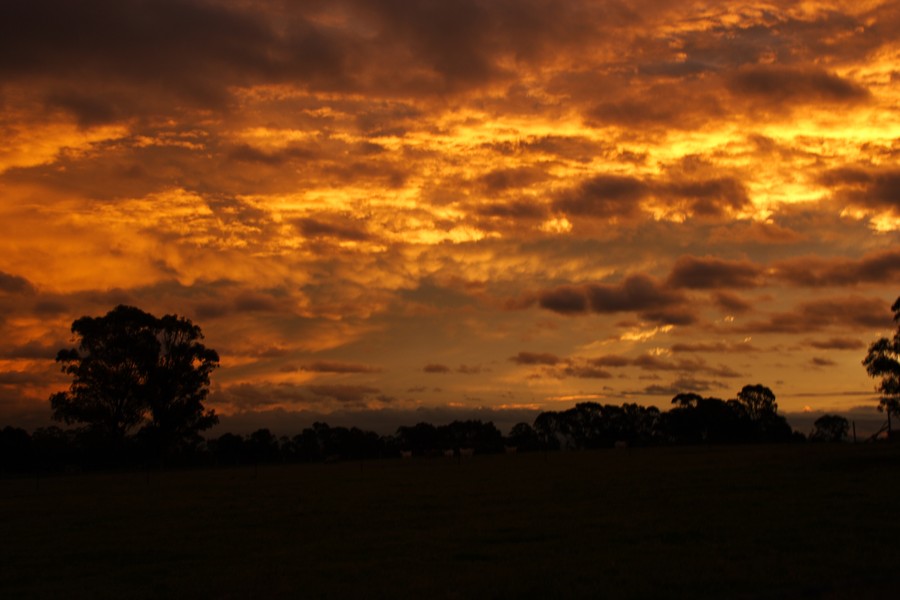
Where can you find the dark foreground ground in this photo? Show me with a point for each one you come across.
(747, 522)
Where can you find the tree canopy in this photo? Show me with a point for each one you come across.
(883, 362)
(830, 428)
(134, 372)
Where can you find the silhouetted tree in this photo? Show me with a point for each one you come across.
(485, 438)
(698, 420)
(305, 446)
(830, 428)
(546, 425)
(687, 400)
(524, 437)
(592, 425)
(421, 438)
(261, 446)
(131, 369)
(758, 400)
(227, 449)
(883, 362)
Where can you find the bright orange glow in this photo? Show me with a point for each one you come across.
(692, 195)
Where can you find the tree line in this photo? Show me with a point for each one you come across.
(692, 420)
(139, 384)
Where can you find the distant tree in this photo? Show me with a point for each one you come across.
(357, 444)
(758, 400)
(687, 400)
(524, 437)
(485, 438)
(698, 420)
(131, 369)
(227, 449)
(547, 426)
(830, 428)
(421, 438)
(883, 362)
(261, 446)
(306, 447)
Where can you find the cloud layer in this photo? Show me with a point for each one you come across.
(376, 204)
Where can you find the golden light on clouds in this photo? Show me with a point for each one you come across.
(381, 185)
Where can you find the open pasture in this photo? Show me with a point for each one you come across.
(812, 521)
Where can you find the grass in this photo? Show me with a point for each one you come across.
(744, 522)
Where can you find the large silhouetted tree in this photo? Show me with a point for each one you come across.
(883, 362)
(132, 370)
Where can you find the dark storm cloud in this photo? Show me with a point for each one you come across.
(636, 293)
(250, 154)
(877, 267)
(671, 316)
(188, 48)
(332, 227)
(822, 362)
(709, 197)
(732, 302)
(248, 301)
(325, 366)
(460, 45)
(140, 54)
(14, 284)
(435, 368)
(877, 189)
(500, 180)
(87, 109)
(535, 358)
(664, 106)
(849, 312)
(567, 300)
(837, 343)
(611, 360)
(604, 196)
(713, 273)
(585, 372)
(701, 195)
(649, 362)
(781, 84)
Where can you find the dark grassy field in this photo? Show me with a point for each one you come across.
(746, 522)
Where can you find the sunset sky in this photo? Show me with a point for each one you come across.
(386, 211)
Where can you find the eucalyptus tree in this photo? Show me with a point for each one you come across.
(135, 373)
(883, 362)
